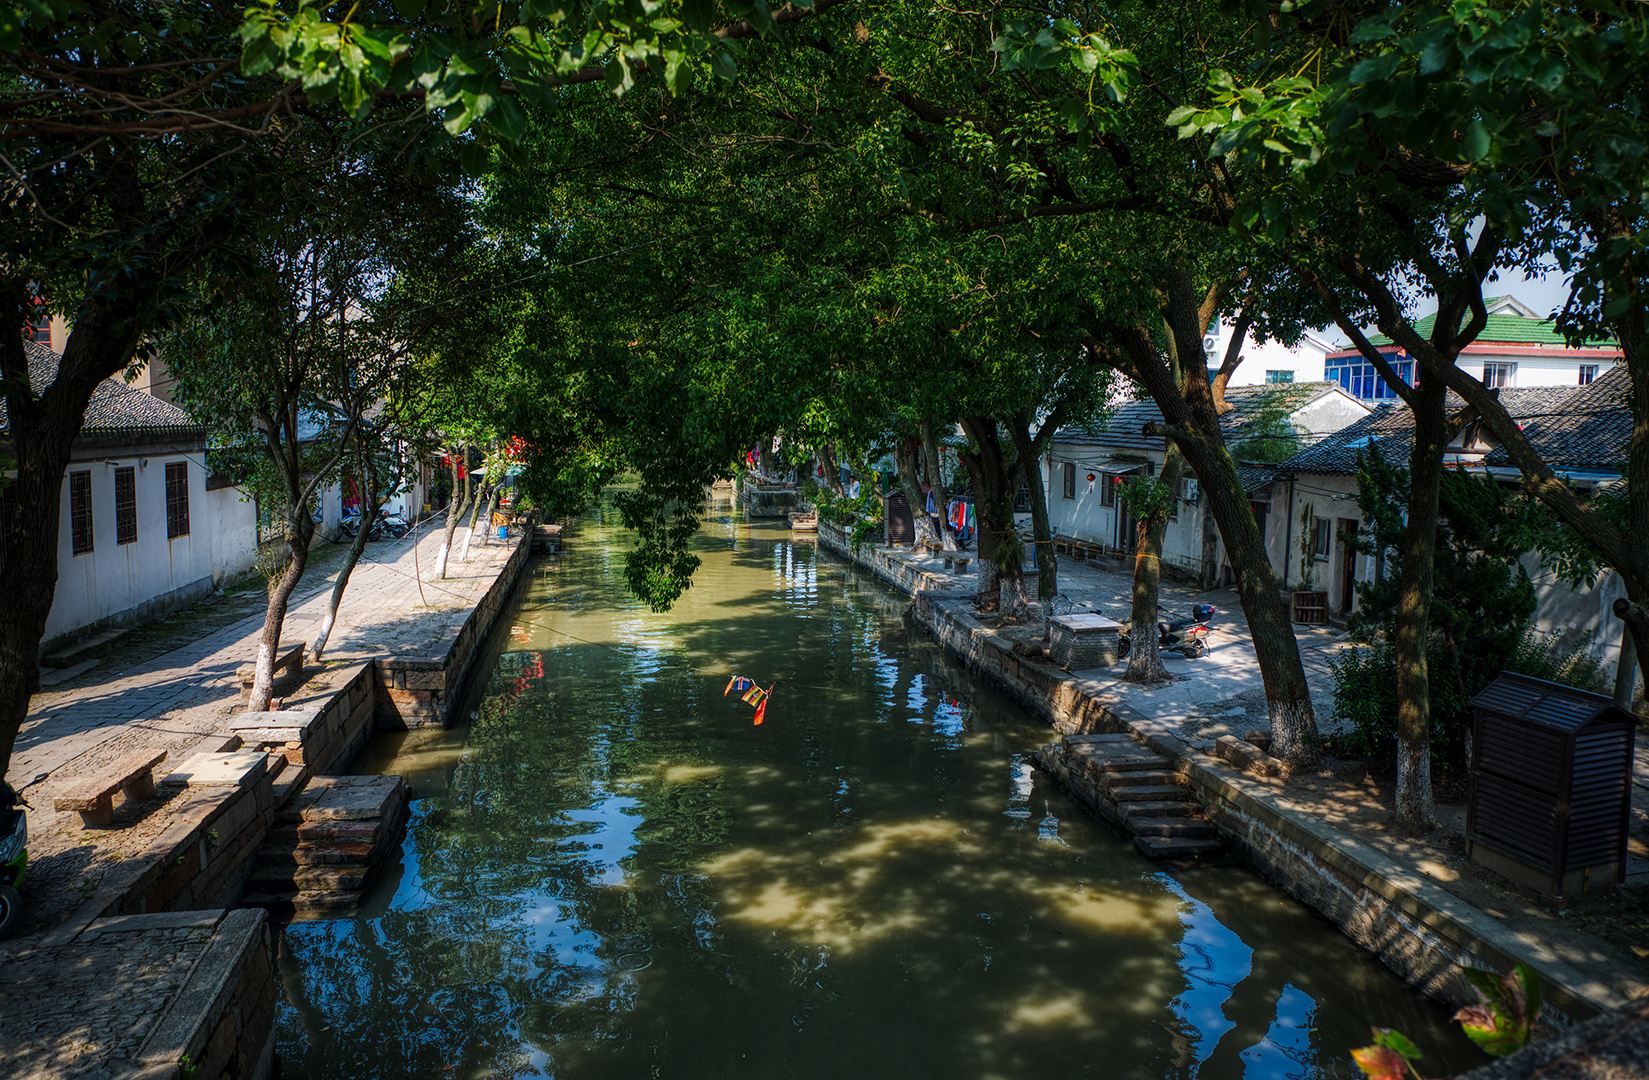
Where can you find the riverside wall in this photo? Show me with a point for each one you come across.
(416, 692)
(219, 1022)
(1416, 928)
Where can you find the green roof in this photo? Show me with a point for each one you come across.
(1506, 329)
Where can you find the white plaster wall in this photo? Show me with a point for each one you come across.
(115, 578)
(1305, 360)
(233, 521)
(1567, 615)
(1082, 517)
(1329, 413)
(1537, 370)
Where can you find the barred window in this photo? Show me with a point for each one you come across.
(177, 499)
(1068, 485)
(80, 511)
(126, 505)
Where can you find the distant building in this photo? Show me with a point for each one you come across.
(1265, 361)
(142, 528)
(1517, 348)
(1581, 432)
(1085, 465)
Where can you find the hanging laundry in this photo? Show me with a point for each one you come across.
(931, 509)
(739, 683)
(761, 712)
(754, 695)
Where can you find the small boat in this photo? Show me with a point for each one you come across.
(804, 521)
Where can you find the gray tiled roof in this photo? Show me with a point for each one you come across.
(1585, 427)
(115, 408)
(1121, 430)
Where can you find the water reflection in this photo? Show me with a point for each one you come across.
(613, 873)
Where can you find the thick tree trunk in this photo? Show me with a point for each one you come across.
(936, 478)
(300, 530)
(904, 459)
(1001, 555)
(1030, 468)
(832, 471)
(42, 434)
(370, 508)
(1144, 658)
(1415, 810)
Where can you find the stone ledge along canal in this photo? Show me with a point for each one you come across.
(613, 873)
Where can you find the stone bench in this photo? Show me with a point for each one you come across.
(288, 658)
(93, 796)
(961, 563)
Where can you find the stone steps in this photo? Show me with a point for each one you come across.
(1137, 790)
(1159, 847)
(328, 840)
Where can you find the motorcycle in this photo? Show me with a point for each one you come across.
(1188, 637)
(14, 855)
(391, 526)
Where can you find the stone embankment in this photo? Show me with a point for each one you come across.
(258, 802)
(1421, 931)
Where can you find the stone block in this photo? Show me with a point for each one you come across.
(426, 680)
(240, 769)
(410, 697)
(1247, 757)
(1078, 642)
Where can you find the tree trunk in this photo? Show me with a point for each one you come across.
(1001, 555)
(370, 508)
(1144, 658)
(936, 478)
(832, 472)
(475, 515)
(1047, 564)
(1415, 810)
(904, 459)
(42, 434)
(300, 530)
(455, 509)
(492, 508)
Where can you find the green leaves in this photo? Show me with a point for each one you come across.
(1508, 1006)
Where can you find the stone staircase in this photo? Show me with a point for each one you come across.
(1136, 791)
(326, 842)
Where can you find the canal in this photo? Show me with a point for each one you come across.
(612, 872)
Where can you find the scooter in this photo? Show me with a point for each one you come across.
(1188, 637)
(390, 526)
(14, 855)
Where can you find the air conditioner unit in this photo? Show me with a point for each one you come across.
(1188, 491)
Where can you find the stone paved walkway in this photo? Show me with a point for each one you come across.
(176, 699)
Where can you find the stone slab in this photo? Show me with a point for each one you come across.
(1085, 623)
(204, 995)
(239, 768)
(275, 718)
(346, 798)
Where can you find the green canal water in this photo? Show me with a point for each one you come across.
(613, 873)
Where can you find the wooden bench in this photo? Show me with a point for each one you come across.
(93, 796)
(1078, 549)
(288, 658)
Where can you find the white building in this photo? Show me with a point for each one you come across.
(1265, 361)
(1582, 432)
(1517, 348)
(142, 528)
(1084, 468)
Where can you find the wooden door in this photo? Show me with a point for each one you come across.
(1348, 564)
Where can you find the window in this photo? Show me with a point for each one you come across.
(1588, 372)
(1360, 379)
(177, 499)
(1497, 375)
(80, 511)
(39, 329)
(1067, 485)
(126, 505)
(1279, 376)
(1108, 489)
(1322, 534)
